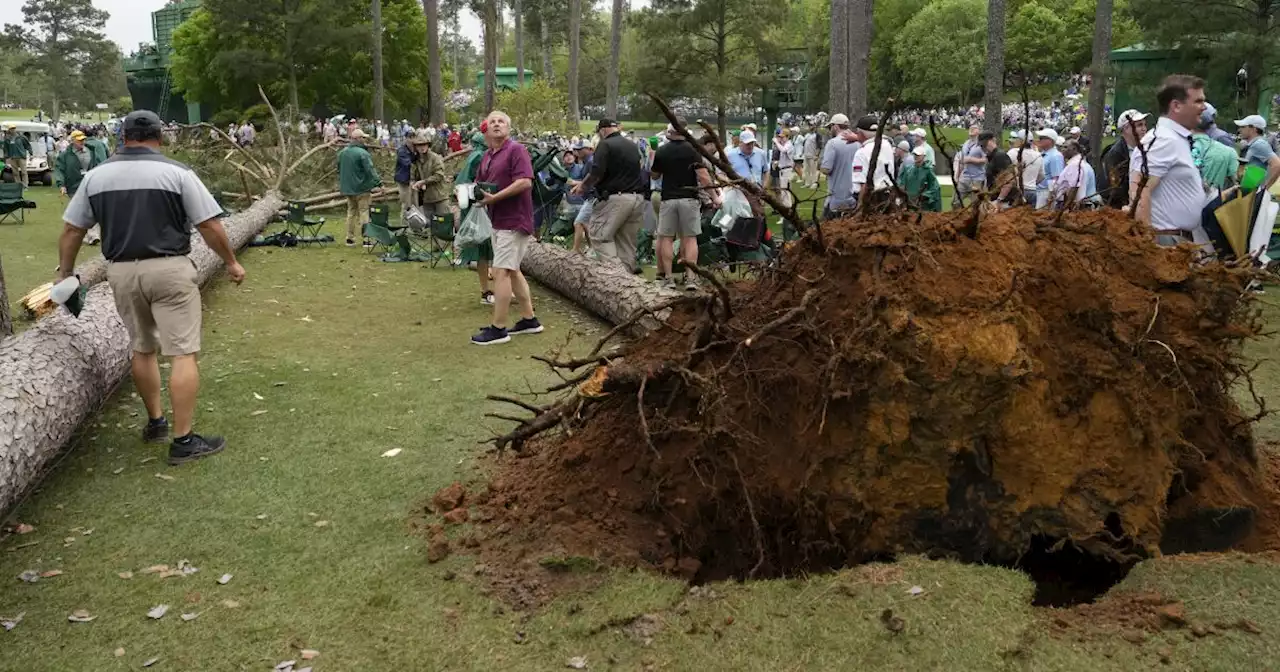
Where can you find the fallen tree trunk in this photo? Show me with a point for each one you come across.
(56, 374)
(606, 289)
(92, 271)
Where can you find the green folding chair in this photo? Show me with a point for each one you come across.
(441, 239)
(13, 206)
(393, 242)
(307, 229)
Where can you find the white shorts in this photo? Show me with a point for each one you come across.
(509, 249)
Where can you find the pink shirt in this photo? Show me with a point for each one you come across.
(503, 166)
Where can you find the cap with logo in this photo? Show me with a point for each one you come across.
(77, 135)
(1130, 116)
(420, 138)
(1254, 120)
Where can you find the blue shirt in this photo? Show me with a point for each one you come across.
(973, 171)
(1054, 164)
(1258, 153)
(751, 167)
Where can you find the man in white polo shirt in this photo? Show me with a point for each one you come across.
(882, 179)
(1173, 197)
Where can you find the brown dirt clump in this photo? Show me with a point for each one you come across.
(895, 386)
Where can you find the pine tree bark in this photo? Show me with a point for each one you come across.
(435, 80)
(615, 61)
(6, 319)
(575, 47)
(1099, 72)
(993, 96)
(490, 54)
(838, 88)
(608, 290)
(518, 9)
(861, 24)
(379, 91)
(544, 42)
(54, 375)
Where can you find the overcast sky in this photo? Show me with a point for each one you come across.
(130, 22)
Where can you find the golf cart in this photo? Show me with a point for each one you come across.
(40, 163)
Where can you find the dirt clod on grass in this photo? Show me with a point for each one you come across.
(1053, 393)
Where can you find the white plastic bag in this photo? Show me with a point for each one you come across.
(476, 229)
(733, 206)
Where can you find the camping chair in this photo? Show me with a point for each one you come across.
(441, 238)
(13, 207)
(394, 242)
(307, 229)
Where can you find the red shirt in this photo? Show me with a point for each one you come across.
(455, 142)
(503, 166)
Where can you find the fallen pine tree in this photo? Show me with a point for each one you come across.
(56, 374)
(1056, 389)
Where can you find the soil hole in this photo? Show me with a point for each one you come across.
(1068, 576)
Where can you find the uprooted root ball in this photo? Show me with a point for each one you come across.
(897, 386)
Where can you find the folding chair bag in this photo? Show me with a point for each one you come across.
(745, 233)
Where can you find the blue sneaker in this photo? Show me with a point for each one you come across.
(491, 335)
(529, 326)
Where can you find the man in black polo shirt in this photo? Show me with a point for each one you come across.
(618, 213)
(681, 169)
(147, 206)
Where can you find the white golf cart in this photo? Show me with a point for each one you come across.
(40, 163)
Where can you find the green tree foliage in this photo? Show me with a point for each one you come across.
(708, 48)
(537, 107)
(60, 40)
(940, 51)
(1026, 49)
(316, 53)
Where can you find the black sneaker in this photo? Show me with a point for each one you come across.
(368, 242)
(195, 448)
(351, 242)
(528, 326)
(491, 335)
(156, 431)
(487, 298)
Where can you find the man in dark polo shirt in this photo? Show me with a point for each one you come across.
(682, 171)
(618, 214)
(147, 206)
(507, 164)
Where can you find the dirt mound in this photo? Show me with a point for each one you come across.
(896, 386)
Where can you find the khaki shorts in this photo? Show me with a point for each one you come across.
(680, 218)
(159, 302)
(509, 249)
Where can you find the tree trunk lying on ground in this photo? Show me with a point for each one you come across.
(54, 375)
(608, 290)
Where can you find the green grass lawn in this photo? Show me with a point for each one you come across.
(352, 357)
(22, 114)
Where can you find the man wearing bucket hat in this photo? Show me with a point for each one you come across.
(1258, 155)
(427, 179)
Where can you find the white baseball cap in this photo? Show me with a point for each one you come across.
(920, 151)
(751, 127)
(918, 131)
(839, 119)
(1254, 120)
(1047, 133)
(904, 146)
(1075, 130)
(747, 137)
(1130, 116)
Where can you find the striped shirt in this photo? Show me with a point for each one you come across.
(147, 204)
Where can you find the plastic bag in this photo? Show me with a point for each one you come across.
(733, 206)
(475, 229)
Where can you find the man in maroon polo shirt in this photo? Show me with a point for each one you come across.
(507, 164)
